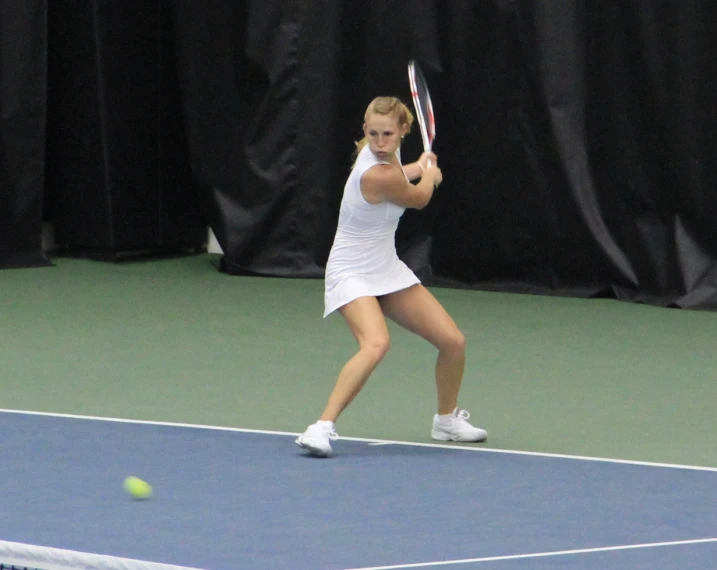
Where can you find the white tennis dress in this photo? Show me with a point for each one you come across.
(363, 260)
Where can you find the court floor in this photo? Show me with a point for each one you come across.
(226, 499)
(600, 417)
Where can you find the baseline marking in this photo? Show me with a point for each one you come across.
(362, 439)
(539, 554)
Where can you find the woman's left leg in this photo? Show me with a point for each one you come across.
(417, 310)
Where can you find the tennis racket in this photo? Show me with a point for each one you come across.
(422, 103)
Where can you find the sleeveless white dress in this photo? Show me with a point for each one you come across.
(363, 260)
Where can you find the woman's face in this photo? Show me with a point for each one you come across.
(383, 134)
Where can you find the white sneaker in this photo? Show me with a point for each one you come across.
(316, 439)
(456, 428)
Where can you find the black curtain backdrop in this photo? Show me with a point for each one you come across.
(576, 137)
(23, 68)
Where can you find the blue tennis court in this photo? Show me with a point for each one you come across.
(227, 499)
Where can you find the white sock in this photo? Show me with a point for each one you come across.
(327, 423)
(447, 417)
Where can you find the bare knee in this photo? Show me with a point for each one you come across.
(453, 343)
(376, 347)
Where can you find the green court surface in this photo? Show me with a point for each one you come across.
(175, 340)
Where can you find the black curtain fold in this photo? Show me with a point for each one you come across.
(650, 126)
(585, 245)
(23, 74)
(238, 82)
(118, 177)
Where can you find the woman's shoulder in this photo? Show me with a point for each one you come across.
(382, 173)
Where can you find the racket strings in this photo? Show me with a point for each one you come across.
(422, 104)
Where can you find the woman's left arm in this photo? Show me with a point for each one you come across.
(414, 170)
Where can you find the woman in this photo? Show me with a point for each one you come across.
(366, 282)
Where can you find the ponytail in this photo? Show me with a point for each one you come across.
(359, 146)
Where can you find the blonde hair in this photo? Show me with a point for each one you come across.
(391, 106)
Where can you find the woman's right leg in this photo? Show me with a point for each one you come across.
(368, 325)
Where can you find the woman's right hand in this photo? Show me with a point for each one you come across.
(434, 173)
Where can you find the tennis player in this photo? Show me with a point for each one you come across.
(366, 282)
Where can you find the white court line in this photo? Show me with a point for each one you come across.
(539, 554)
(367, 440)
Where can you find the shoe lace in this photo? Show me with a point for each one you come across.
(330, 432)
(463, 415)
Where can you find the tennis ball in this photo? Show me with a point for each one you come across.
(137, 488)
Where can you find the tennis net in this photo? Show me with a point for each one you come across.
(18, 556)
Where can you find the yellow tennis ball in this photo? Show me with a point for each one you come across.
(137, 488)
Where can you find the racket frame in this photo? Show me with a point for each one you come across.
(426, 118)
